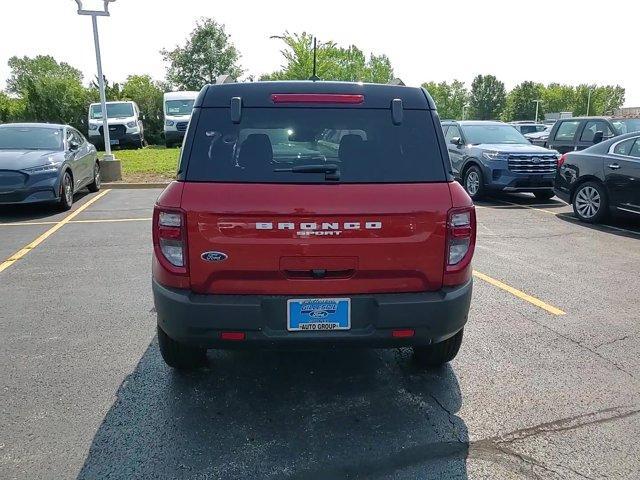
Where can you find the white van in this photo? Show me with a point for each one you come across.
(177, 113)
(125, 124)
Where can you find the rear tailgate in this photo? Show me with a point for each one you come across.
(316, 239)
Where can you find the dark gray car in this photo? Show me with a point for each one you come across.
(42, 162)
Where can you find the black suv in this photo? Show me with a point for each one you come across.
(578, 133)
(487, 155)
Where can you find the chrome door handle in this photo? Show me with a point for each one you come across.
(613, 166)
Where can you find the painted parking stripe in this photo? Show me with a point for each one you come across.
(97, 220)
(518, 293)
(26, 249)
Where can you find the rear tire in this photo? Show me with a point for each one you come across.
(590, 202)
(473, 182)
(178, 355)
(95, 185)
(438, 354)
(544, 194)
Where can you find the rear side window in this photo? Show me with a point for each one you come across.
(364, 143)
(567, 130)
(592, 127)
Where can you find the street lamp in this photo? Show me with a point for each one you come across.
(110, 169)
(589, 101)
(464, 111)
(537, 102)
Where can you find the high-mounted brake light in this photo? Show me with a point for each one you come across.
(316, 98)
(169, 239)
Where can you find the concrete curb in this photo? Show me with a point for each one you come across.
(133, 186)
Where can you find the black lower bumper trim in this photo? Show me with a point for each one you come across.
(198, 319)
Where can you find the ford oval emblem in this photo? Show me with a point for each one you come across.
(318, 313)
(214, 256)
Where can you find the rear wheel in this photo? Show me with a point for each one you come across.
(178, 355)
(95, 185)
(66, 192)
(590, 202)
(473, 182)
(438, 354)
(544, 194)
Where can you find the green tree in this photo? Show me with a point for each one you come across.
(604, 100)
(11, 108)
(148, 95)
(207, 54)
(113, 92)
(487, 99)
(332, 62)
(51, 91)
(558, 98)
(520, 104)
(450, 98)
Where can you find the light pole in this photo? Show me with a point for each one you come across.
(464, 111)
(110, 167)
(589, 101)
(537, 102)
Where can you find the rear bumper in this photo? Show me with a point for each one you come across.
(199, 319)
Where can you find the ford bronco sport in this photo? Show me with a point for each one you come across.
(309, 214)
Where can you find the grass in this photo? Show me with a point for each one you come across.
(149, 164)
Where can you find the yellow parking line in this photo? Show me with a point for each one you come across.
(25, 250)
(514, 291)
(98, 220)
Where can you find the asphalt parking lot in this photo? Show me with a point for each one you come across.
(545, 385)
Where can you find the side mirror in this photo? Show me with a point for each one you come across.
(457, 141)
(597, 137)
(73, 146)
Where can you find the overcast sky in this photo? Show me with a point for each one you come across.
(427, 40)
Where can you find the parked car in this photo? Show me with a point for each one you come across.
(42, 162)
(177, 113)
(312, 214)
(493, 156)
(578, 133)
(602, 179)
(528, 127)
(540, 138)
(125, 125)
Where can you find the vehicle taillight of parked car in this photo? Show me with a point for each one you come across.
(169, 239)
(561, 160)
(461, 240)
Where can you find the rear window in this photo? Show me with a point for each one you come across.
(364, 143)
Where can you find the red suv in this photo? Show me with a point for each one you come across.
(312, 214)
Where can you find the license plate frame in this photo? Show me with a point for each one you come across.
(318, 314)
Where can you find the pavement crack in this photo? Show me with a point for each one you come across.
(610, 342)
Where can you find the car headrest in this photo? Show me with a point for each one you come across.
(256, 151)
(350, 146)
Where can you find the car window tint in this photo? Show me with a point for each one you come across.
(364, 143)
(635, 150)
(624, 148)
(594, 126)
(452, 132)
(567, 130)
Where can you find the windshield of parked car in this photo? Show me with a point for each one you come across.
(114, 110)
(179, 107)
(477, 134)
(297, 145)
(626, 125)
(30, 138)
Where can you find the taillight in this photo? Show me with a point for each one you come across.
(561, 160)
(170, 239)
(461, 239)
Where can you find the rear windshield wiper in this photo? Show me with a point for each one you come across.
(331, 170)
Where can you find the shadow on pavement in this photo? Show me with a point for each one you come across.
(34, 212)
(631, 225)
(259, 414)
(498, 199)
